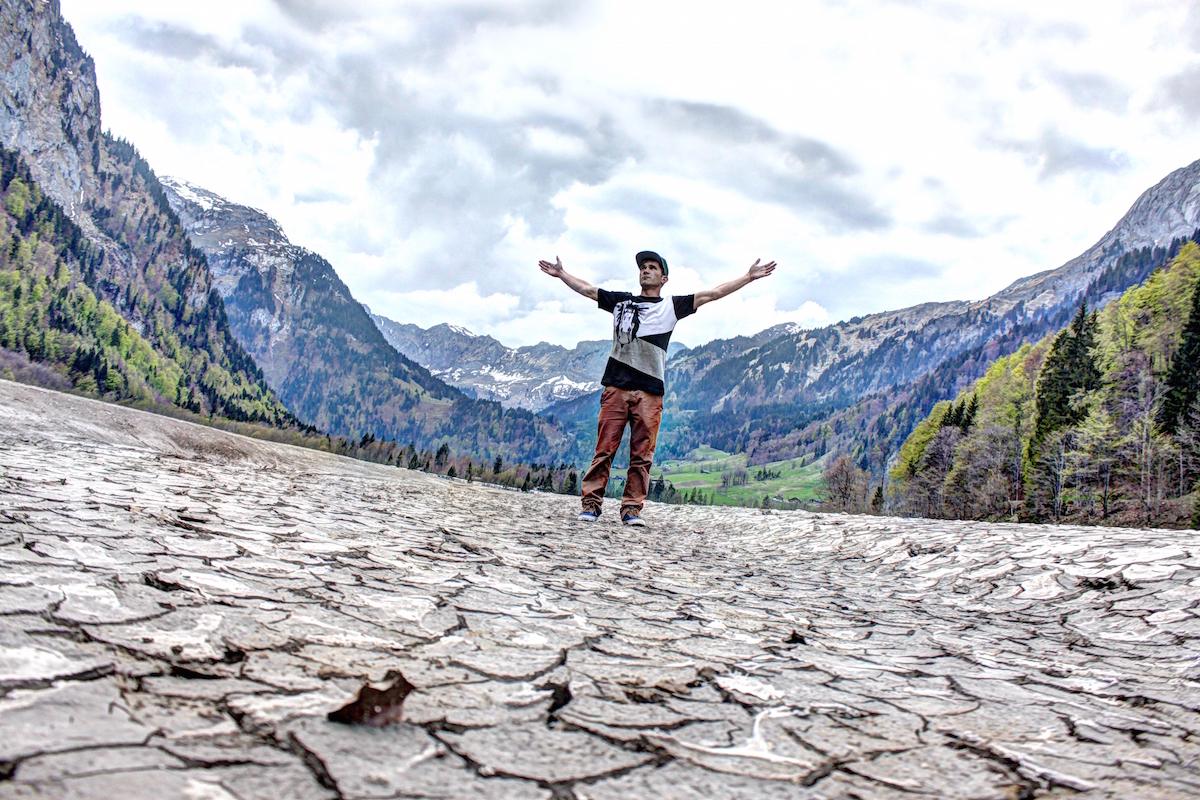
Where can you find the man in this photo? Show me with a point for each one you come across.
(633, 380)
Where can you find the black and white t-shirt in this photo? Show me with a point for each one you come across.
(641, 331)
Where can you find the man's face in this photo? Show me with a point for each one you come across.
(650, 275)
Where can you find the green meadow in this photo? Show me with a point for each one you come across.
(731, 482)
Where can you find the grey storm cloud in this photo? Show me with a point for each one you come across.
(319, 15)
(438, 28)
(727, 124)
(1055, 153)
(1091, 90)
(950, 224)
(181, 43)
(265, 53)
(1182, 92)
(654, 209)
(749, 156)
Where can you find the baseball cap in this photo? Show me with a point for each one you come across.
(650, 255)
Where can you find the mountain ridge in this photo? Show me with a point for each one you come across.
(530, 376)
(902, 345)
(324, 354)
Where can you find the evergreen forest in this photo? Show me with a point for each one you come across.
(1097, 424)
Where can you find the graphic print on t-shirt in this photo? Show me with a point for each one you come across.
(641, 332)
(625, 321)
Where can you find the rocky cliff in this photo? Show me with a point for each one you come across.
(49, 104)
(286, 303)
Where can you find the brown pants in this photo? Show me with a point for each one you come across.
(618, 408)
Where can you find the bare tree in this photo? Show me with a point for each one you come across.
(844, 485)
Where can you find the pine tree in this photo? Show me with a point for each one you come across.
(969, 416)
(1070, 369)
(1183, 381)
(954, 416)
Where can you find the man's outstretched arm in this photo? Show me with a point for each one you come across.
(757, 271)
(578, 284)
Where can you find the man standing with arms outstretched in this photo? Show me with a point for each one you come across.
(633, 380)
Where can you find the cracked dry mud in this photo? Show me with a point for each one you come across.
(180, 609)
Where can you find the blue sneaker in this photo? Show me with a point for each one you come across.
(588, 515)
(633, 517)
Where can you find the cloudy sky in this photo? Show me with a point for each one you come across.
(884, 153)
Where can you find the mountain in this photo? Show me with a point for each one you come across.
(117, 302)
(322, 353)
(288, 307)
(531, 377)
(524, 377)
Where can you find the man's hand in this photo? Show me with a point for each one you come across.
(758, 270)
(556, 270)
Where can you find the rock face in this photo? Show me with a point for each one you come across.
(528, 377)
(841, 363)
(49, 104)
(288, 307)
(180, 610)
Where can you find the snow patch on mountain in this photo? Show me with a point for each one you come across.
(527, 377)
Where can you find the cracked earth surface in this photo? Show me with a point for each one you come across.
(181, 608)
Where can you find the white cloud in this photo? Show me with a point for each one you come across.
(884, 153)
(426, 307)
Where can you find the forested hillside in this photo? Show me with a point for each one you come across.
(871, 430)
(59, 310)
(1099, 423)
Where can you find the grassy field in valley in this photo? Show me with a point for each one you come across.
(708, 469)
